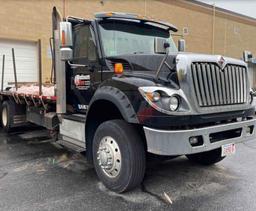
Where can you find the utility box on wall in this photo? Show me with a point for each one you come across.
(248, 58)
(252, 74)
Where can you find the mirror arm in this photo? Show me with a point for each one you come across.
(167, 65)
(162, 63)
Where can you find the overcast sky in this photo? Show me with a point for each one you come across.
(245, 7)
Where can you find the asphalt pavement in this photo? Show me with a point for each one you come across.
(36, 174)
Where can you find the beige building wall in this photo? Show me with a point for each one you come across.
(209, 30)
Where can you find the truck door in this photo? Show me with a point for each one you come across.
(83, 71)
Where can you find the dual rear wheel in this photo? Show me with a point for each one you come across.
(7, 114)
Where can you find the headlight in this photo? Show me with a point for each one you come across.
(174, 103)
(166, 100)
(153, 96)
(160, 100)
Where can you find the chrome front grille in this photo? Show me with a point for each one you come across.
(216, 87)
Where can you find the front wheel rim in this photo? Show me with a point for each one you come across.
(109, 157)
(4, 117)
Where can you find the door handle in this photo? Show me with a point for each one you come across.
(74, 66)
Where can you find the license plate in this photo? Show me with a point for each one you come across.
(228, 149)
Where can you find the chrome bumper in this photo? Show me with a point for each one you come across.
(176, 142)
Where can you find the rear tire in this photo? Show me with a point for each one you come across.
(206, 158)
(7, 113)
(118, 155)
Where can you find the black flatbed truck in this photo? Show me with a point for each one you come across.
(123, 90)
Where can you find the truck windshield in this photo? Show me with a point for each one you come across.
(123, 37)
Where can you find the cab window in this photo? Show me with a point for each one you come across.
(84, 45)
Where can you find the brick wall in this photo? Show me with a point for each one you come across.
(31, 20)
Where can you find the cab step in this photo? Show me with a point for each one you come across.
(72, 132)
(71, 146)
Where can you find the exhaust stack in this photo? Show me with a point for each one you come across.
(59, 65)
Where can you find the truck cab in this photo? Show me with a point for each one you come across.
(124, 90)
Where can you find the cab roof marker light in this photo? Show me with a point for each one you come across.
(114, 14)
(109, 14)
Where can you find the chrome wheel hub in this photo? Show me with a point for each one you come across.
(109, 156)
(4, 116)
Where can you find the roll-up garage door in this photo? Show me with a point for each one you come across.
(26, 56)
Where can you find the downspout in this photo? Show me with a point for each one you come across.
(225, 38)
(64, 8)
(145, 7)
(213, 29)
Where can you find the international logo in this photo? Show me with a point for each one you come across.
(222, 63)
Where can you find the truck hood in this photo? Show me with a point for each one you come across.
(141, 62)
(150, 62)
(145, 65)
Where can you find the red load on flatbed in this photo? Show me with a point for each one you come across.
(30, 94)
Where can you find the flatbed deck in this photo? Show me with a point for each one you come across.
(29, 99)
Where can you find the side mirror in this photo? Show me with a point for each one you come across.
(161, 45)
(181, 45)
(66, 54)
(66, 41)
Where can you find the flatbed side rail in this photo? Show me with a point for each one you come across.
(29, 99)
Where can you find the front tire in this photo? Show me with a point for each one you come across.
(206, 158)
(118, 155)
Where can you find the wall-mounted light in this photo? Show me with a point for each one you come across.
(102, 2)
(185, 31)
